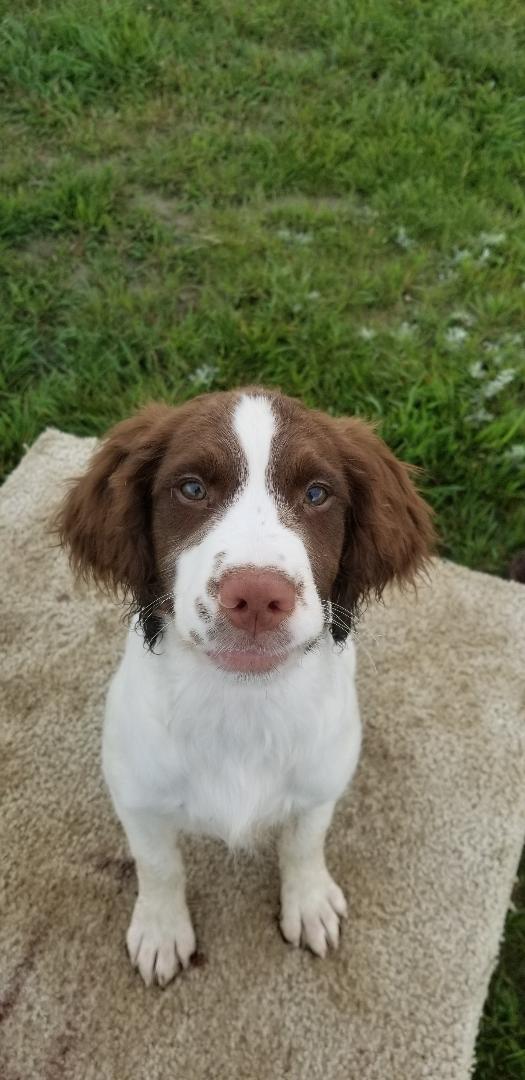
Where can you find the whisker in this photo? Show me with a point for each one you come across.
(342, 626)
(169, 562)
(368, 654)
(148, 608)
(360, 631)
(340, 608)
(332, 615)
(363, 631)
(335, 621)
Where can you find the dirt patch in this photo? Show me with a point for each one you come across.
(40, 249)
(165, 209)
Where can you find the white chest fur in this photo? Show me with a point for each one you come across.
(224, 756)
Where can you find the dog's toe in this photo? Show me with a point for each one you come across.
(311, 911)
(160, 942)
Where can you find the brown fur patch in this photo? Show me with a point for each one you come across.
(123, 519)
(389, 534)
(374, 528)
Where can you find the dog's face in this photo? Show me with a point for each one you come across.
(249, 520)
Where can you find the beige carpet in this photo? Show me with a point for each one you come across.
(426, 845)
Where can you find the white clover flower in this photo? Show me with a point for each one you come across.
(294, 237)
(203, 375)
(314, 295)
(447, 275)
(480, 416)
(366, 333)
(461, 316)
(460, 254)
(477, 370)
(402, 239)
(515, 453)
(498, 383)
(405, 330)
(455, 335)
(492, 239)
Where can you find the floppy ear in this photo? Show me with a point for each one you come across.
(105, 519)
(389, 534)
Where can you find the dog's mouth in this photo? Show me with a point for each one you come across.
(233, 650)
(250, 661)
(243, 655)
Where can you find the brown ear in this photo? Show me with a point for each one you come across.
(389, 534)
(104, 519)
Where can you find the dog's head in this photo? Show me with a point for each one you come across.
(249, 520)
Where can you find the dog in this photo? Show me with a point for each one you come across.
(247, 532)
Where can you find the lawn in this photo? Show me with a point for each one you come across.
(324, 197)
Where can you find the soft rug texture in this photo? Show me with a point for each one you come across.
(425, 844)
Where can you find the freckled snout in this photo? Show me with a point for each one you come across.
(256, 600)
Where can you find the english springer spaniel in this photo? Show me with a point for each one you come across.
(246, 531)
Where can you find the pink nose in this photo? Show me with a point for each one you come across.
(256, 600)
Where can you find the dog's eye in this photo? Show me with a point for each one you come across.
(316, 495)
(193, 489)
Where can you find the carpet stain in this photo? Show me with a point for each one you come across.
(57, 1061)
(9, 1000)
(122, 869)
(199, 960)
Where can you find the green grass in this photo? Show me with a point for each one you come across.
(325, 197)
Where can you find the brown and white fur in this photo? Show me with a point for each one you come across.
(247, 531)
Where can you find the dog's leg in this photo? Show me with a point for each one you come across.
(160, 938)
(311, 902)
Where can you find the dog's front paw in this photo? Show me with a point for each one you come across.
(160, 939)
(312, 906)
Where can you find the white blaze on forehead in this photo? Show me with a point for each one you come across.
(248, 532)
(254, 425)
